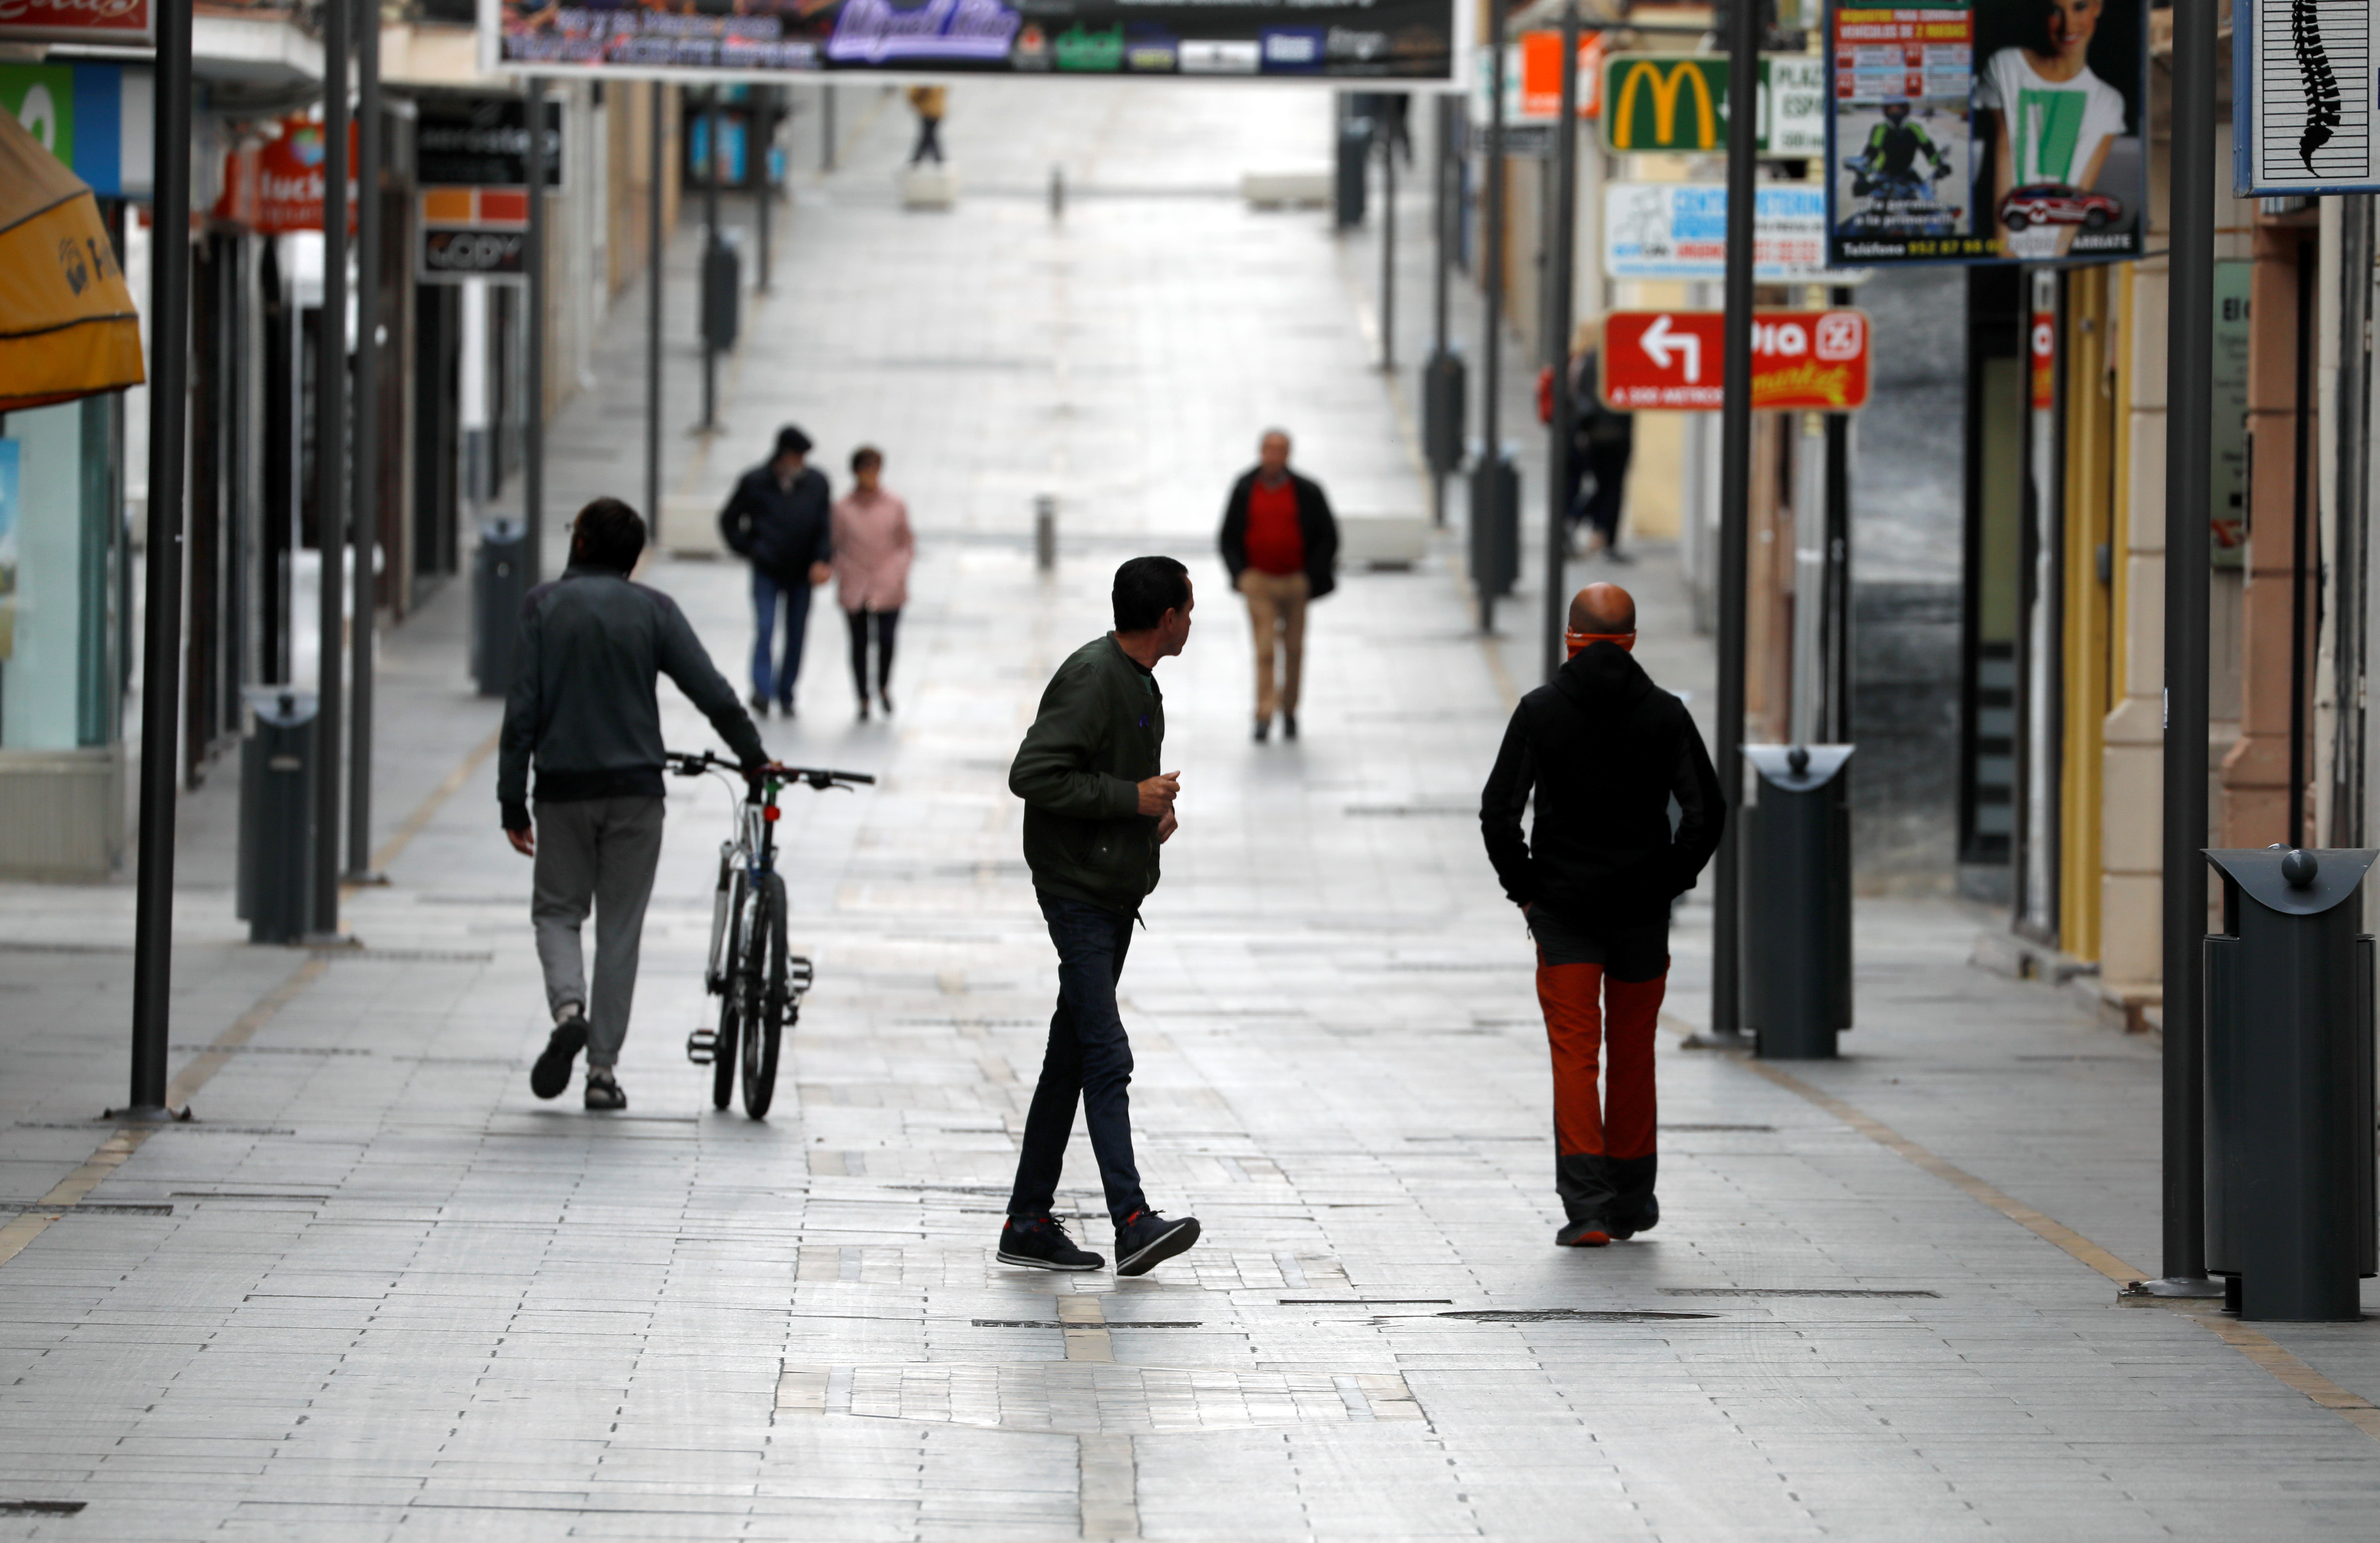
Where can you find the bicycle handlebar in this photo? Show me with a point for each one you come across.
(820, 778)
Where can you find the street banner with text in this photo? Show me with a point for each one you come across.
(1987, 131)
(1347, 40)
(1802, 360)
(1678, 230)
(115, 23)
(1679, 102)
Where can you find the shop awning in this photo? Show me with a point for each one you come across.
(67, 327)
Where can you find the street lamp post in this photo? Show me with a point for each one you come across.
(331, 469)
(367, 455)
(1562, 259)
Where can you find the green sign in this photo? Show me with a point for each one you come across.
(1679, 102)
(41, 97)
(1101, 53)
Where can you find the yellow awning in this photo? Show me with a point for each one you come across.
(67, 327)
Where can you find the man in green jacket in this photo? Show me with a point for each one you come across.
(1096, 810)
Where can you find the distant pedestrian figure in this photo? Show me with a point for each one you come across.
(1602, 441)
(779, 521)
(1281, 546)
(1605, 750)
(1096, 810)
(873, 546)
(583, 711)
(928, 103)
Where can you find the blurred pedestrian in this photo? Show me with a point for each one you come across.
(928, 103)
(1605, 750)
(1602, 439)
(873, 546)
(1281, 546)
(779, 521)
(1096, 810)
(583, 710)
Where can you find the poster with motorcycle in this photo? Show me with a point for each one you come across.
(1987, 131)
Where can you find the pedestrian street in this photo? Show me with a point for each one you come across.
(374, 1290)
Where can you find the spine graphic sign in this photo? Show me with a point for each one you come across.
(2304, 70)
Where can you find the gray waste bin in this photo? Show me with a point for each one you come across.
(2288, 1085)
(1495, 525)
(1796, 840)
(277, 771)
(722, 282)
(499, 584)
(1348, 189)
(1443, 390)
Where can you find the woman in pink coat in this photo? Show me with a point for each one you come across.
(873, 545)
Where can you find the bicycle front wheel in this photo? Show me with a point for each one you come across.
(765, 1024)
(735, 972)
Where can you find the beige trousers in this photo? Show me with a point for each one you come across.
(1277, 612)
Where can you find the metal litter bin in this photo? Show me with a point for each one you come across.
(499, 584)
(1796, 838)
(2289, 1085)
(277, 774)
(1495, 525)
(1350, 186)
(1443, 391)
(723, 280)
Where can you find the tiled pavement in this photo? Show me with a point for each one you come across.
(377, 1291)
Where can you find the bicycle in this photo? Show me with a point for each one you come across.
(758, 987)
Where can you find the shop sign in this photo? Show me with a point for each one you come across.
(1802, 360)
(98, 118)
(2304, 72)
(482, 142)
(1382, 41)
(1679, 102)
(133, 22)
(2228, 416)
(278, 188)
(1539, 96)
(1987, 131)
(1678, 230)
(471, 233)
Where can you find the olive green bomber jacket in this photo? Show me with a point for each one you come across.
(1096, 737)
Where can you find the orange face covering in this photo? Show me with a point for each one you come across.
(1578, 640)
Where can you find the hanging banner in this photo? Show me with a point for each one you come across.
(1802, 360)
(1678, 230)
(98, 118)
(2305, 73)
(1679, 102)
(276, 188)
(482, 142)
(1987, 130)
(1353, 39)
(111, 22)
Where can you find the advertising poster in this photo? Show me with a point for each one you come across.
(1358, 40)
(1987, 130)
(1678, 230)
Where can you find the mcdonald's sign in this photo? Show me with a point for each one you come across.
(1679, 101)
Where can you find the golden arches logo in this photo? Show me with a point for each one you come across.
(1668, 85)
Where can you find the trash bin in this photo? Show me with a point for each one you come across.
(723, 270)
(2289, 1085)
(1796, 840)
(1495, 525)
(1354, 169)
(499, 583)
(277, 770)
(1443, 388)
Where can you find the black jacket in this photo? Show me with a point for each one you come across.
(583, 706)
(1096, 737)
(779, 531)
(1314, 522)
(1606, 750)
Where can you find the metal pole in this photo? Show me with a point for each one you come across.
(367, 458)
(1838, 566)
(533, 419)
(1387, 241)
(331, 466)
(1491, 279)
(1560, 259)
(2354, 408)
(160, 673)
(653, 168)
(711, 159)
(2188, 484)
(826, 126)
(1734, 502)
(2302, 519)
(1441, 148)
(764, 105)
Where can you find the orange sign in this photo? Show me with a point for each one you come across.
(1541, 75)
(1802, 360)
(278, 188)
(2045, 359)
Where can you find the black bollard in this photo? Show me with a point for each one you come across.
(1797, 899)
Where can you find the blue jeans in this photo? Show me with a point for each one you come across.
(766, 594)
(1088, 1060)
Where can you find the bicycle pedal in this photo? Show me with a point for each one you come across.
(798, 975)
(702, 1046)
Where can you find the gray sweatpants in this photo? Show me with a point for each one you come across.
(598, 851)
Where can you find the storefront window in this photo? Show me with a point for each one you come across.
(58, 555)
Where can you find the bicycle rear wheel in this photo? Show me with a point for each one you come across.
(765, 1024)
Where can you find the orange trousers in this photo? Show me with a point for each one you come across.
(1585, 1010)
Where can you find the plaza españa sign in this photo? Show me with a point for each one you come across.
(2305, 73)
(1385, 40)
(1679, 101)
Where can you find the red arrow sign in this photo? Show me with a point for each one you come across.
(1800, 359)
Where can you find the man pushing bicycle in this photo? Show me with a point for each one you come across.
(583, 707)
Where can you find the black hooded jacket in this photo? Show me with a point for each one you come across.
(779, 531)
(1605, 750)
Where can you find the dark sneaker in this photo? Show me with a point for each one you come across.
(552, 1072)
(1264, 728)
(1289, 725)
(1147, 1240)
(760, 705)
(1592, 1232)
(1646, 1218)
(603, 1091)
(1042, 1244)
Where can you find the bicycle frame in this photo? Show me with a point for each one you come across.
(746, 859)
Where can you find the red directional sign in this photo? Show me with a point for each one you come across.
(1815, 360)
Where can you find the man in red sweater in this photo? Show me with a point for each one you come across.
(1281, 545)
